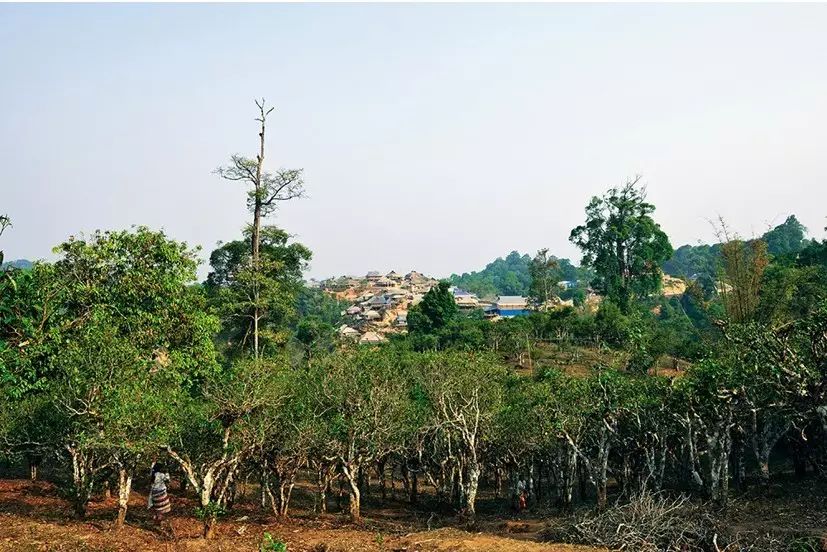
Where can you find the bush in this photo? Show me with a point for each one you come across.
(648, 522)
(269, 544)
(211, 510)
(611, 325)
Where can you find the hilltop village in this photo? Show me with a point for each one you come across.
(379, 303)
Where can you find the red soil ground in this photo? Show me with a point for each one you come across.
(33, 517)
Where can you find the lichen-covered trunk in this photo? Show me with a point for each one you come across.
(470, 486)
(205, 497)
(324, 475)
(602, 469)
(285, 482)
(265, 486)
(601, 496)
(569, 477)
(82, 481)
(351, 472)
(354, 504)
(34, 463)
(124, 490)
(413, 488)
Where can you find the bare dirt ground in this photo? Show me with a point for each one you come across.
(33, 517)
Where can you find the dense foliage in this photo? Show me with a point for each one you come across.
(623, 244)
(257, 297)
(508, 276)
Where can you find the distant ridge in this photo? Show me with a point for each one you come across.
(23, 264)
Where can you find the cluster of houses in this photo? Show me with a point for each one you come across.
(380, 302)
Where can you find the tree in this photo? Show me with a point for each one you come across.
(315, 302)
(786, 238)
(741, 273)
(464, 393)
(223, 424)
(364, 397)
(266, 191)
(705, 405)
(503, 276)
(257, 298)
(111, 402)
(5, 222)
(814, 254)
(114, 323)
(623, 244)
(544, 277)
(31, 324)
(790, 292)
(436, 310)
(313, 334)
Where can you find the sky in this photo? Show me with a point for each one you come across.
(432, 137)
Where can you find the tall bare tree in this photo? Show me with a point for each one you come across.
(266, 191)
(5, 222)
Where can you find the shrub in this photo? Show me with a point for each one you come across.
(269, 544)
(649, 522)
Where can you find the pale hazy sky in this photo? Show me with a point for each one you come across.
(433, 137)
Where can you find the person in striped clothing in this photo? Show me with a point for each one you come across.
(158, 498)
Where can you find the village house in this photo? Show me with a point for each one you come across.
(465, 300)
(371, 337)
(424, 286)
(346, 331)
(509, 306)
(396, 295)
(414, 277)
(372, 315)
(384, 281)
(378, 302)
(401, 319)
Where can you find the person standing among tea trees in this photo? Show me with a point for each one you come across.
(159, 501)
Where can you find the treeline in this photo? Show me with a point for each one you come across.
(511, 276)
(703, 261)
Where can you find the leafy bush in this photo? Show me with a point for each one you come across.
(270, 544)
(211, 510)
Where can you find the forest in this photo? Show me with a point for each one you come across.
(640, 422)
